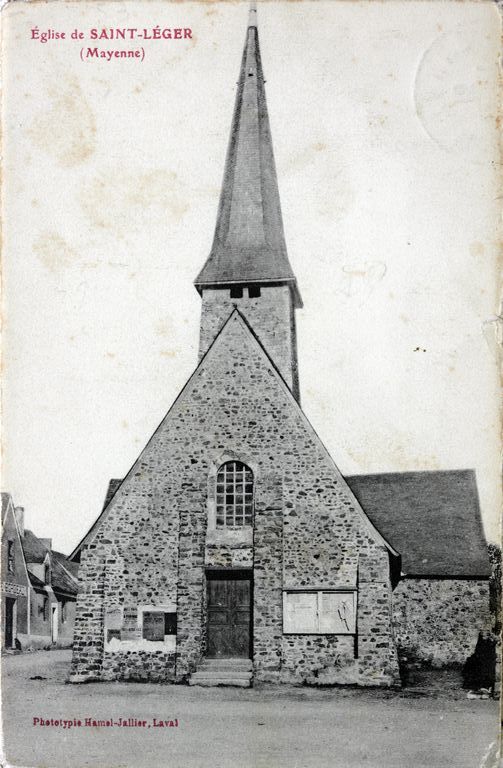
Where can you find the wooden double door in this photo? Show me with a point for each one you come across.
(229, 607)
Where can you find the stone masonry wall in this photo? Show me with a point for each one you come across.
(268, 546)
(88, 643)
(139, 666)
(272, 317)
(308, 531)
(438, 620)
(319, 659)
(191, 579)
(122, 570)
(377, 653)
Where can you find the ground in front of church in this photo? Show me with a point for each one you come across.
(177, 726)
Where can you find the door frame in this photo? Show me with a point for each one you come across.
(12, 615)
(231, 574)
(54, 622)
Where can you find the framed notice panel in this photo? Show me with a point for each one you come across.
(319, 612)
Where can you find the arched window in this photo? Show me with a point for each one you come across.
(234, 494)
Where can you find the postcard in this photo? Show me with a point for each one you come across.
(251, 384)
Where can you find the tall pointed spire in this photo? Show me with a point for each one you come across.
(249, 243)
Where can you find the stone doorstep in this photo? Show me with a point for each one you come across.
(222, 672)
(237, 682)
(233, 672)
(245, 664)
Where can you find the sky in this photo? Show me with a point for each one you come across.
(383, 118)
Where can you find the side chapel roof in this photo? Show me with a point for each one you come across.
(431, 518)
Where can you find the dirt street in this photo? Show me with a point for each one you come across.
(268, 727)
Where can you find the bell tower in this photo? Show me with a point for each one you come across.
(248, 265)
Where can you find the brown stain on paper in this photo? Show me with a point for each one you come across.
(53, 252)
(118, 199)
(66, 129)
(476, 249)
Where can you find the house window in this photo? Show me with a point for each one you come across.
(234, 495)
(156, 624)
(43, 609)
(237, 292)
(319, 612)
(254, 291)
(47, 573)
(10, 556)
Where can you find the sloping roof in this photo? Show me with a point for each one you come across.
(72, 568)
(236, 323)
(63, 573)
(62, 578)
(35, 581)
(34, 550)
(249, 243)
(431, 518)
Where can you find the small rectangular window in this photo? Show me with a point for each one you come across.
(10, 556)
(47, 573)
(319, 612)
(254, 291)
(170, 623)
(43, 608)
(236, 292)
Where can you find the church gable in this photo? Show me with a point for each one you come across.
(237, 405)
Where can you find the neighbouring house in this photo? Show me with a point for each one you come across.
(234, 549)
(39, 587)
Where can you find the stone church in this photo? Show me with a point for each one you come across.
(234, 550)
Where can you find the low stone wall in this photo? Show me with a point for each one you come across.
(438, 620)
(319, 660)
(139, 666)
(34, 642)
(41, 642)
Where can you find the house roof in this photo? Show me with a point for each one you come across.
(35, 581)
(431, 518)
(63, 573)
(249, 242)
(34, 550)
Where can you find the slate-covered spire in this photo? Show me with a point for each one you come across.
(249, 243)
